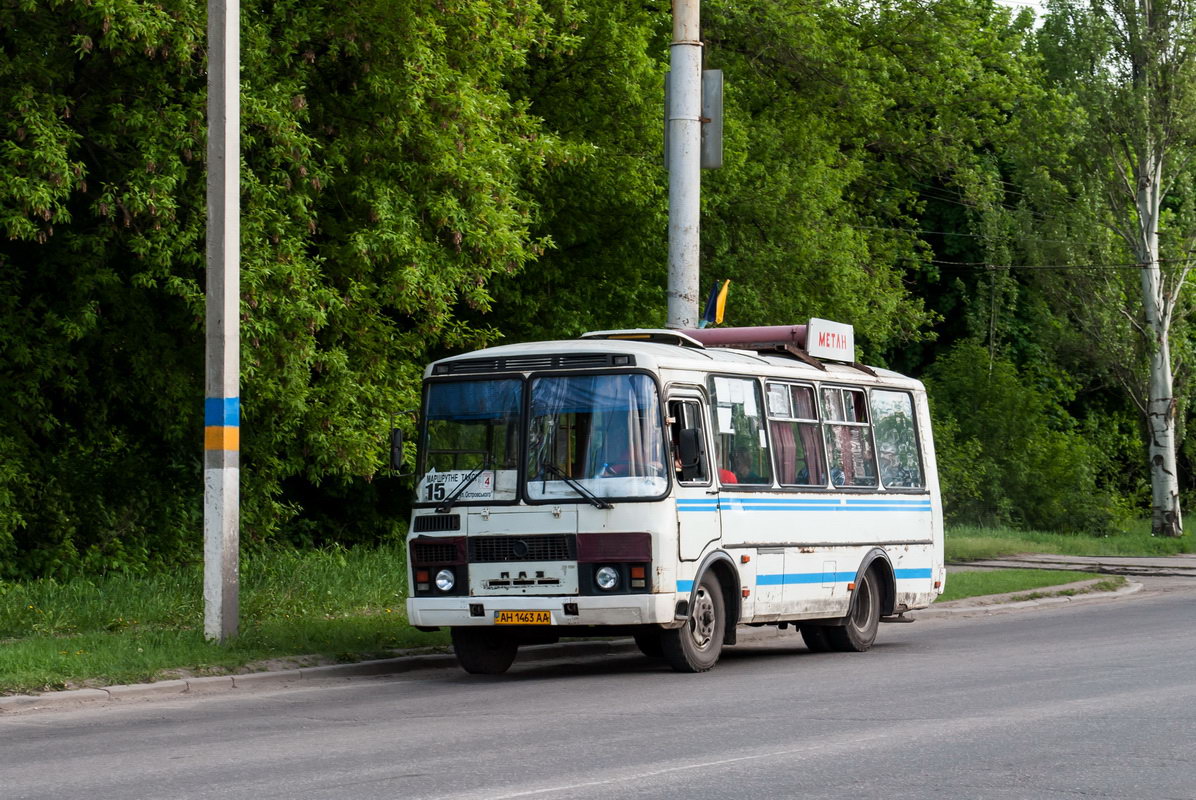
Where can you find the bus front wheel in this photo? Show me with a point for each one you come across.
(860, 631)
(696, 645)
(483, 651)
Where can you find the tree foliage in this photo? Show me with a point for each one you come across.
(1015, 456)
(383, 175)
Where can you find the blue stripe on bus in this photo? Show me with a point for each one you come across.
(790, 578)
(795, 578)
(909, 574)
(801, 504)
(822, 501)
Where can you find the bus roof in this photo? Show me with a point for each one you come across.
(656, 353)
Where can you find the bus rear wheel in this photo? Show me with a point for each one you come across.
(860, 631)
(696, 645)
(483, 651)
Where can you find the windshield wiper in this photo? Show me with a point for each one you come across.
(452, 498)
(580, 489)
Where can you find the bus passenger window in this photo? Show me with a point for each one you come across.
(742, 442)
(848, 438)
(687, 437)
(793, 420)
(896, 441)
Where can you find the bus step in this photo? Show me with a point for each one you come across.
(899, 618)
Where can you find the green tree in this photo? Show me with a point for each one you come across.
(385, 166)
(1113, 186)
(836, 114)
(1013, 454)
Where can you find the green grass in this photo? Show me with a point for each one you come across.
(980, 582)
(337, 604)
(971, 543)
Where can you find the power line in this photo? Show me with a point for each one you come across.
(983, 265)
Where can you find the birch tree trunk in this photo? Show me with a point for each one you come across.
(1150, 35)
(1166, 519)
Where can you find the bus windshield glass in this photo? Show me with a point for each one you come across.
(471, 427)
(596, 434)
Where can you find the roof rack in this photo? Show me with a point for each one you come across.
(820, 340)
(655, 335)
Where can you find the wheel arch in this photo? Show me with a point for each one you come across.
(878, 559)
(723, 567)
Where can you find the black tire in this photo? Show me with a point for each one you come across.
(815, 638)
(483, 651)
(649, 643)
(696, 645)
(862, 621)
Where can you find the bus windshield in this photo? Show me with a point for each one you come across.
(471, 427)
(595, 434)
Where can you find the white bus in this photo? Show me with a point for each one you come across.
(671, 485)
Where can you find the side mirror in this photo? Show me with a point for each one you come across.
(396, 448)
(689, 445)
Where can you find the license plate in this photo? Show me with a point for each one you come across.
(522, 617)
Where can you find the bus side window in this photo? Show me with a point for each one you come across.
(797, 446)
(742, 443)
(848, 437)
(688, 441)
(896, 439)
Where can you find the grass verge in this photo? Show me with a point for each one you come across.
(971, 543)
(981, 582)
(336, 604)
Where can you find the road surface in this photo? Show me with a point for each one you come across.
(1093, 700)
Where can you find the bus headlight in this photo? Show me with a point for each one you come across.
(445, 580)
(607, 578)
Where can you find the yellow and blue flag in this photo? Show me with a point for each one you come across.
(716, 304)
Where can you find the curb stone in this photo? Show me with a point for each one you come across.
(135, 690)
(16, 704)
(971, 605)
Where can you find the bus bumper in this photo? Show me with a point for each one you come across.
(635, 609)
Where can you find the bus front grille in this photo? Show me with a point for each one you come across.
(549, 547)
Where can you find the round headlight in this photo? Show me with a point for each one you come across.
(607, 578)
(445, 580)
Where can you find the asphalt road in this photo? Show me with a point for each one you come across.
(1091, 700)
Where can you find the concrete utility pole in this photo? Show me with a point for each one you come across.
(222, 402)
(684, 119)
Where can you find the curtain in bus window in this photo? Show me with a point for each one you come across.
(785, 442)
(469, 400)
(796, 440)
(804, 408)
(848, 443)
(896, 440)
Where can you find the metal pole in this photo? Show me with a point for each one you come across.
(685, 163)
(222, 403)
